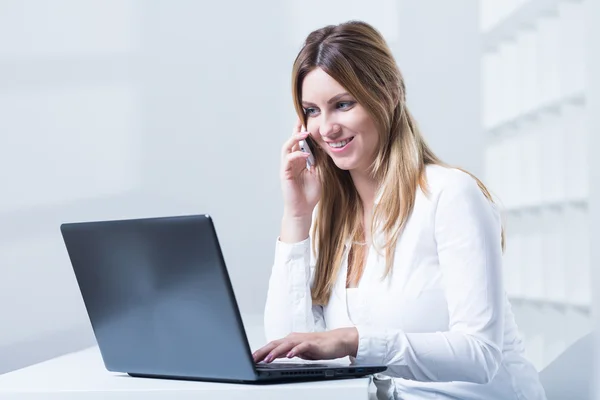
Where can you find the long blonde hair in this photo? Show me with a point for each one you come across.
(356, 55)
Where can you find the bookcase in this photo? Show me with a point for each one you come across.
(535, 119)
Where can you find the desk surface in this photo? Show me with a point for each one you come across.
(82, 376)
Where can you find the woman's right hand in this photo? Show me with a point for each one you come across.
(301, 187)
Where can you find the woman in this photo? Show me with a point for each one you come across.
(402, 266)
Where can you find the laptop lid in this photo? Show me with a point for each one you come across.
(159, 297)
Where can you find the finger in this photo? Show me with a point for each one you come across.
(297, 155)
(281, 350)
(296, 146)
(288, 146)
(261, 353)
(302, 350)
(294, 164)
(297, 127)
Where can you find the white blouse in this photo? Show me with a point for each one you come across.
(441, 321)
(353, 305)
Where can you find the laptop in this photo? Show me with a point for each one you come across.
(161, 304)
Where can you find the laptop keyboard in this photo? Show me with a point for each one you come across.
(290, 365)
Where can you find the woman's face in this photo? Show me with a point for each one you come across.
(337, 123)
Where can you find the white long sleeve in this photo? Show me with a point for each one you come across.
(439, 321)
(467, 232)
(289, 304)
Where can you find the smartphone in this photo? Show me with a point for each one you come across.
(305, 146)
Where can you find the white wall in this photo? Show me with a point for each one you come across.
(438, 51)
(123, 108)
(593, 62)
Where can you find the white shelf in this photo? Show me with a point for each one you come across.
(547, 254)
(541, 162)
(538, 160)
(522, 17)
(559, 305)
(548, 329)
(553, 108)
(557, 205)
(538, 67)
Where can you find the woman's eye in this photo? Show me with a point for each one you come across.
(310, 110)
(345, 104)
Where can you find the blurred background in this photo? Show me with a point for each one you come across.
(116, 109)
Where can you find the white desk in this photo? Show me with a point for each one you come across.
(82, 376)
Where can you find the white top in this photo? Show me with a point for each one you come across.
(353, 305)
(441, 322)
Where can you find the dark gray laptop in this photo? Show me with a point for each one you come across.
(161, 304)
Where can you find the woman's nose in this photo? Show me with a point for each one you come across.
(328, 129)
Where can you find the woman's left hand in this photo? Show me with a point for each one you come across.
(326, 345)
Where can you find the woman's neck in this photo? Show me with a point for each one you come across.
(366, 186)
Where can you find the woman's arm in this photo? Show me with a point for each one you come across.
(467, 232)
(289, 305)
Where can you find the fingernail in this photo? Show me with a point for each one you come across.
(268, 358)
(290, 354)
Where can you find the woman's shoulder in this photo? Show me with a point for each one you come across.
(454, 187)
(441, 178)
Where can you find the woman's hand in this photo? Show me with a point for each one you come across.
(327, 345)
(301, 187)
